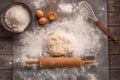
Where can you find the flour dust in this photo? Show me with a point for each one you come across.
(33, 45)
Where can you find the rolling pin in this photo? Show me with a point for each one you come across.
(61, 62)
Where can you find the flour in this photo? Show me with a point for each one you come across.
(17, 18)
(67, 8)
(92, 77)
(38, 3)
(34, 45)
(101, 8)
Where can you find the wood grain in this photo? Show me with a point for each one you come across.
(113, 5)
(4, 3)
(114, 74)
(114, 19)
(115, 31)
(5, 74)
(114, 61)
(6, 46)
(4, 33)
(5, 61)
(114, 48)
(113, 13)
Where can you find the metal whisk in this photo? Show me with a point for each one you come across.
(88, 11)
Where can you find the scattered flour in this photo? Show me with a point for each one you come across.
(101, 8)
(33, 45)
(38, 3)
(67, 8)
(92, 77)
(86, 38)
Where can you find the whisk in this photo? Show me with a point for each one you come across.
(88, 11)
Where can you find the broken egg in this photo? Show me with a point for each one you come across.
(51, 15)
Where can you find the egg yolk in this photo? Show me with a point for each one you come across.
(52, 15)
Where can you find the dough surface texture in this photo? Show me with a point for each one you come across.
(59, 44)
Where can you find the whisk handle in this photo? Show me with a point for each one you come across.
(105, 30)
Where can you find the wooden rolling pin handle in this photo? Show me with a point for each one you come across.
(32, 61)
(105, 30)
(89, 62)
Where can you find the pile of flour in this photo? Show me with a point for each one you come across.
(17, 18)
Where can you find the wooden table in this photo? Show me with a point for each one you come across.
(6, 41)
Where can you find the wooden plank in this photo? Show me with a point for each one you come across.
(113, 13)
(6, 46)
(114, 74)
(4, 33)
(114, 48)
(114, 61)
(5, 61)
(114, 19)
(115, 31)
(5, 74)
(114, 5)
(4, 3)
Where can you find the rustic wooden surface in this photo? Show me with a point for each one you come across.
(114, 49)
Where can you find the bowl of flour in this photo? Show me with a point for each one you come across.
(16, 17)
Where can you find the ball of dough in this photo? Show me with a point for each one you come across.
(59, 44)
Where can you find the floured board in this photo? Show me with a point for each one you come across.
(91, 42)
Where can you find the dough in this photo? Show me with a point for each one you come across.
(59, 44)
